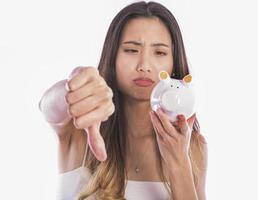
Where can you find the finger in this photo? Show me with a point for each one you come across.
(81, 78)
(86, 105)
(158, 136)
(191, 121)
(96, 142)
(156, 131)
(157, 124)
(94, 116)
(175, 123)
(169, 128)
(81, 93)
(182, 124)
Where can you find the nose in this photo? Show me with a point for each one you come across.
(144, 64)
(143, 69)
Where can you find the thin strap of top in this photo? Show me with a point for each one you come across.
(86, 150)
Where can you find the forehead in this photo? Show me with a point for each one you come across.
(144, 29)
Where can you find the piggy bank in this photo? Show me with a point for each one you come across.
(173, 96)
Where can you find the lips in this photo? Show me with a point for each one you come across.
(143, 82)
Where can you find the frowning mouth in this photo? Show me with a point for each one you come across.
(143, 82)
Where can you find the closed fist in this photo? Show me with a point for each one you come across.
(89, 102)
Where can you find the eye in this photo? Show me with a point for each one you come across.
(161, 53)
(171, 85)
(130, 50)
(177, 87)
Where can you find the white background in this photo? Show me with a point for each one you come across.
(42, 41)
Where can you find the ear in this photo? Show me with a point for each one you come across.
(187, 79)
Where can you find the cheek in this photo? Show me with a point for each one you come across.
(120, 68)
(122, 71)
(168, 68)
(126, 61)
(165, 64)
(125, 67)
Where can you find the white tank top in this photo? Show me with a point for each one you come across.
(70, 183)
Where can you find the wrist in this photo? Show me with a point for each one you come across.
(180, 159)
(181, 179)
(180, 165)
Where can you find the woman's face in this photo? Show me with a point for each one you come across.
(144, 50)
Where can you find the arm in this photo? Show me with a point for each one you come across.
(68, 106)
(174, 145)
(181, 177)
(181, 181)
(70, 142)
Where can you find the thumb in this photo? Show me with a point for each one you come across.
(191, 121)
(96, 142)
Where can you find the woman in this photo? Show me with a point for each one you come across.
(147, 157)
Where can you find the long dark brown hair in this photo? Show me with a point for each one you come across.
(108, 177)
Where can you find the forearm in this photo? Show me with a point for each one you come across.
(181, 181)
(53, 105)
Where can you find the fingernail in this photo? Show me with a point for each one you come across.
(104, 155)
(101, 150)
(180, 117)
(65, 97)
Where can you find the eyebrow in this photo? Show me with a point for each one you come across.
(140, 44)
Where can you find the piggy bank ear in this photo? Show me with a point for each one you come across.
(163, 75)
(187, 79)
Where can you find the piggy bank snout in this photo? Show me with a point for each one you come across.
(173, 96)
(170, 100)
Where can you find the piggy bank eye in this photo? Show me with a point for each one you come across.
(177, 87)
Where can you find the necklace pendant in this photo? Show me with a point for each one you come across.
(137, 169)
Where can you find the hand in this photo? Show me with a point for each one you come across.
(89, 102)
(173, 138)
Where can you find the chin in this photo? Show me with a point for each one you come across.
(140, 96)
(136, 93)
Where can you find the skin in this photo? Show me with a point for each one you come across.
(137, 56)
(67, 107)
(84, 87)
(72, 117)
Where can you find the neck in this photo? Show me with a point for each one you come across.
(139, 124)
